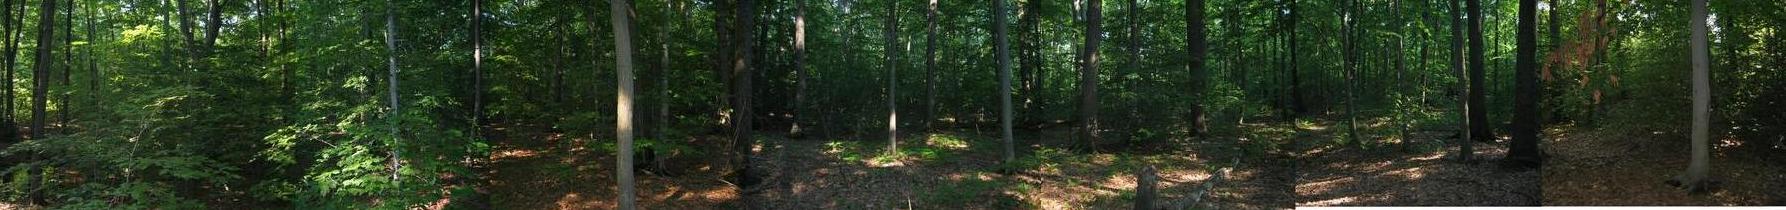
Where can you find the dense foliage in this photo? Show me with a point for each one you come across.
(181, 104)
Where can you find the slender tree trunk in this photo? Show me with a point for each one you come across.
(67, 66)
(1088, 74)
(799, 68)
(1695, 177)
(390, 40)
(1198, 45)
(1463, 90)
(1296, 106)
(623, 50)
(1000, 35)
(930, 69)
(745, 20)
(477, 67)
(46, 36)
(892, 38)
(10, 128)
(213, 23)
(557, 82)
(1349, 33)
(1478, 117)
(1029, 50)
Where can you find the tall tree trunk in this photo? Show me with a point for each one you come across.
(213, 23)
(11, 27)
(1694, 179)
(390, 41)
(46, 39)
(1029, 50)
(799, 68)
(1523, 151)
(1296, 106)
(67, 66)
(185, 20)
(1088, 73)
(477, 67)
(930, 69)
(892, 38)
(1000, 35)
(1349, 33)
(1478, 116)
(623, 64)
(1198, 45)
(557, 82)
(1463, 90)
(744, 20)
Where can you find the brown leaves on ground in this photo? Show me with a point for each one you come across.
(1351, 176)
(1630, 168)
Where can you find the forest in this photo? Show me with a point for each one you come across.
(890, 104)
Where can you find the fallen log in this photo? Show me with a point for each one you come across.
(1145, 194)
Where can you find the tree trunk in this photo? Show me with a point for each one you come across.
(46, 36)
(1000, 35)
(623, 65)
(1696, 176)
(1463, 90)
(213, 23)
(1349, 33)
(892, 38)
(477, 67)
(930, 69)
(390, 42)
(1029, 50)
(11, 27)
(1523, 151)
(67, 66)
(1296, 106)
(1198, 47)
(799, 68)
(1088, 74)
(1478, 116)
(742, 141)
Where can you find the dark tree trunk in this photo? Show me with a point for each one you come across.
(477, 66)
(745, 17)
(1296, 106)
(892, 39)
(930, 68)
(1198, 47)
(1457, 69)
(46, 36)
(1478, 116)
(1523, 151)
(1029, 51)
(11, 28)
(1088, 74)
(799, 68)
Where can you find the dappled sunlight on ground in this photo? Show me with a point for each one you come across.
(1383, 175)
(1616, 168)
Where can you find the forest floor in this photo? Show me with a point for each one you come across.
(1392, 174)
(534, 168)
(1590, 167)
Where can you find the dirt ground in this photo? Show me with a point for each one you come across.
(1613, 168)
(1387, 175)
(532, 168)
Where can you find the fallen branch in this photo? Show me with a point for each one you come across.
(1147, 180)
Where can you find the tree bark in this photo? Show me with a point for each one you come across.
(1001, 36)
(1457, 68)
(1029, 50)
(477, 67)
(1523, 151)
(892, 38)
(11, 27)
(623, 64)
(1088, 74)
(1696, 176)
(390, 41)
(1296, 106)
(744, 20)
(46, 36)
(1198, 47)
(930, 68)
(800, 73)
(1478, 116)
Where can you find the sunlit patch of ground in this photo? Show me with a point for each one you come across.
(1629, 168)
(1386, 175)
